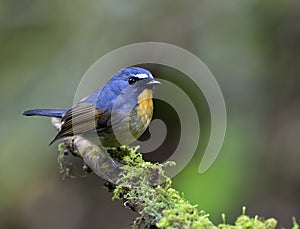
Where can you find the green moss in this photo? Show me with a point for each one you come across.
(246, 222)
(93, 151)
(143, 187)
(123, 153)
(295, 224)
(67, 168)
(63, 170)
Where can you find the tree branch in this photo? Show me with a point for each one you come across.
(143, 187)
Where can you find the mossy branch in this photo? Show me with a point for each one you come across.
(144, 188)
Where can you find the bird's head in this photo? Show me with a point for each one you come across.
(132, 80)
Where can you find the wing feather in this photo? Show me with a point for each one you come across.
(80, 119)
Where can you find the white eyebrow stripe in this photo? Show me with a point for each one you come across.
(142, 76)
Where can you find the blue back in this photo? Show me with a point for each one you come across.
(114, 87)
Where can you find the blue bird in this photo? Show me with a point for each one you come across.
(123, 104)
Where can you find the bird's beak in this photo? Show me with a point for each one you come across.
(154, 82)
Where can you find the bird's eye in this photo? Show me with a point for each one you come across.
(132, 80)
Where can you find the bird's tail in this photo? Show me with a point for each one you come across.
(58, 113)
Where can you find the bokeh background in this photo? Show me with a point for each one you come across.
(253, 49)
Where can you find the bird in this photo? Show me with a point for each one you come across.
(119, 112)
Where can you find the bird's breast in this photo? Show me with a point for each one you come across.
(144, 109)
(139, 118)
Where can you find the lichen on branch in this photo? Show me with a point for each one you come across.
(143, 187)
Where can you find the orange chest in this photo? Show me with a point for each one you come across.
(145, 105)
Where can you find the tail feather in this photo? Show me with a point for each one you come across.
(58, 113)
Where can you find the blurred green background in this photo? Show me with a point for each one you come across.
(253, 49)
